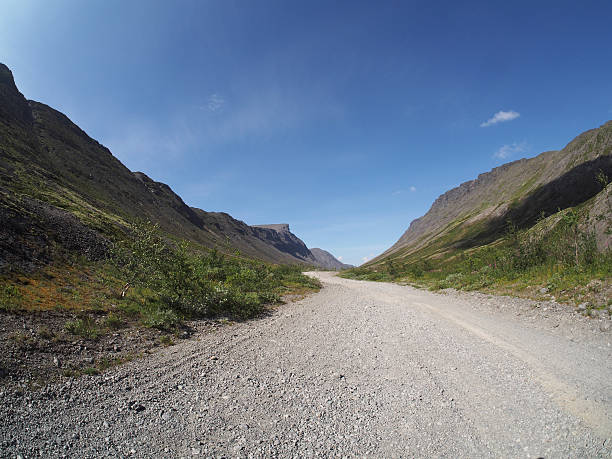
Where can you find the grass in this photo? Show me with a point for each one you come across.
(181, 283)
(11, 298)
(86, 328)
(559, 260)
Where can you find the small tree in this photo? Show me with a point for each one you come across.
(140, 257)
(571, 219)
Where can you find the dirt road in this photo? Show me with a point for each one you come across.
(359, 369)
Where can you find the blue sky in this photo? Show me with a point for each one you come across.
(344, 119)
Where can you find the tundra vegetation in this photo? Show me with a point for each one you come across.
(149, 279)
(557, 257)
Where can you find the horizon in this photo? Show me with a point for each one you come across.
(366, 130)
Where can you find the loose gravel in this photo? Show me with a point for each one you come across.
(358, 369)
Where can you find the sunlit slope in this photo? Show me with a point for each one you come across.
(522, 192)
(57, 185)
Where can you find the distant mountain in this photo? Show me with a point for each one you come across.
(327, 260)
(61, 189)
(281, 238)
(522, 192)
(285, 241)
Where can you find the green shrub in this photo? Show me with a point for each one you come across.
(160, 318)
(10, 298)
(113, 321)
(191, 284)
(87, 328)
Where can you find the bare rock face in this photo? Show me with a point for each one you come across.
(279, 236)
(13, 106)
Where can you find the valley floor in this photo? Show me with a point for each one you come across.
(359, 369)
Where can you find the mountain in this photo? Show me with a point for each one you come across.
(279, 236)
(327, 260)
(62, 190)
(522, 192)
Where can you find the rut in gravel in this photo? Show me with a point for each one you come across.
(359, 369)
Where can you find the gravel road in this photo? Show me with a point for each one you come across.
(359, 369)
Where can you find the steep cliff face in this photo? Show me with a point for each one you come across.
(477, 212)
(283, 239)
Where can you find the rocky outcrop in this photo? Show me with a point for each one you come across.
(280, 237)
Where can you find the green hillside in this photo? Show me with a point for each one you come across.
(515, 228)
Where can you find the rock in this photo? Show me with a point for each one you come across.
(543, 290)
(56, 361)
(582, 306)
(605, 326)
(136, 407)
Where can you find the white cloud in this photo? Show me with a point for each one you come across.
(369, 257)
(215, 102)
(501, 117)
(412, 189)
(507, 151)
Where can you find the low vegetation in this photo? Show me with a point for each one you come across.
(140, 296)
(543, 261)
(151, 281)
(173, 281)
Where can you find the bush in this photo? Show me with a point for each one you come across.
(10, 298)
(194, 284)
(87, 328)
(160, 318)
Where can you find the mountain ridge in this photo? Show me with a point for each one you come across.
(477, 211)
(48, 162)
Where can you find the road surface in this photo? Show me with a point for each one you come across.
(358, 369)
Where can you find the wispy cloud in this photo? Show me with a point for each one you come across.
(260, 114)
(412, 189)
(506, 151)
(138, 143)
(501, 117)
(264, 113)
(215, 102)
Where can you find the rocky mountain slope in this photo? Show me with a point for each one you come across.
(327, 260)
(59, 188)
(522, 192)
(284, 240)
